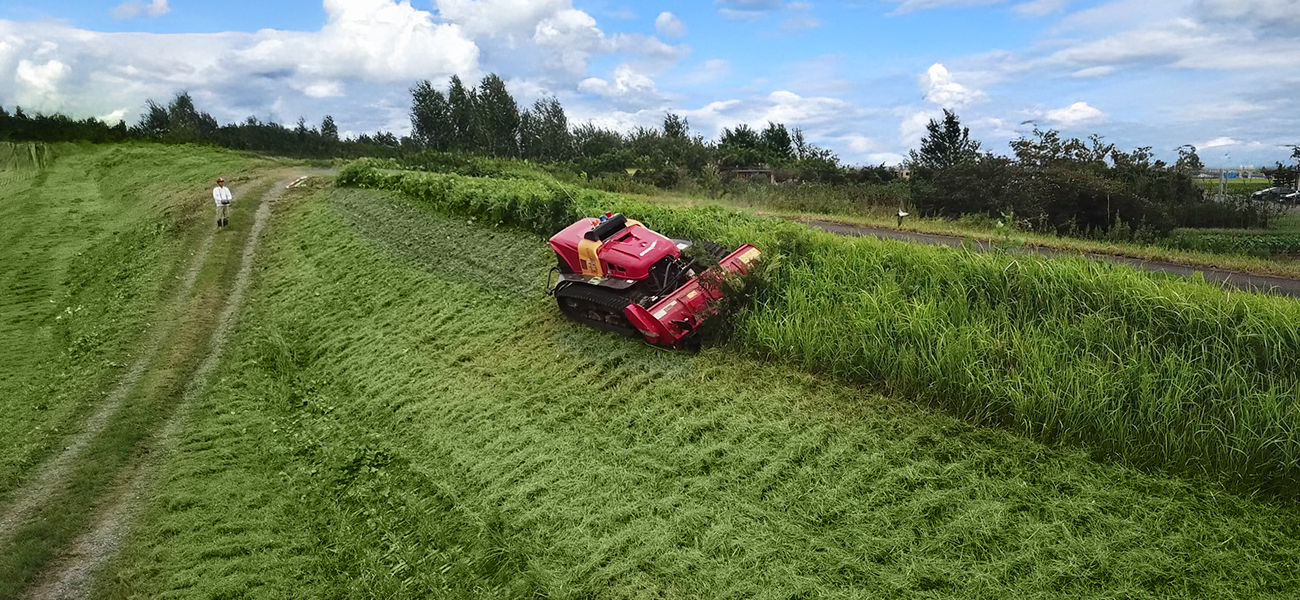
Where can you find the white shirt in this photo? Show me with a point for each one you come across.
(221, 195)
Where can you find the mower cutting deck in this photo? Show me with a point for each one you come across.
(617, 275)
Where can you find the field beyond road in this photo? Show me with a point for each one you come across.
(399, 412)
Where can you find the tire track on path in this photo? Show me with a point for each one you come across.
(73, 575)
(52, 475)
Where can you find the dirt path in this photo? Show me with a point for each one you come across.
(1242, 281)
(53, 473)
(72, 575)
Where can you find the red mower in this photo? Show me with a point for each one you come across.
(617, 275)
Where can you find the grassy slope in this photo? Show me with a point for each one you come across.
(91, 247)
(402, 414)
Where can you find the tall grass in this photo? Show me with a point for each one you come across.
(1149, 370)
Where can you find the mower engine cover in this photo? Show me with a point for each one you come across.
(618, 250)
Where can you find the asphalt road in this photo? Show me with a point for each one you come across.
(1243, 281)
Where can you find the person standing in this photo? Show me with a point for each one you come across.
(222, 196)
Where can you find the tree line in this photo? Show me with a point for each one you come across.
(486, 120)
(1070, 186)
(180, 122)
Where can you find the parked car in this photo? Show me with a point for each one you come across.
(1278, 193)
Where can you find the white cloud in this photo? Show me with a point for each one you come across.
(941, 88)
(1079, 113)
(1218, 142)
(748, 10)
(911, 6)
(911, 130)
(115, 117)
(549, 38)
(49, 66)
(861, 144)
(710, 71)
(134, 8)
(667, 24)
(1039, 8)
(821, 118)
(323, 89)
(796, 23)
(38, 84)
(628, 87)
(1092, 72)
(889, 159)
(1262, 14)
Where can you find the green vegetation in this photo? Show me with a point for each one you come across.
(1263, 244)
(96, 247)
(91, 247)
(404, 415)
(1234, 187)
(1154, 371)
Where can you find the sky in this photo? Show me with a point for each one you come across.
(860, 77)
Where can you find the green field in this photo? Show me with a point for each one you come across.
(1237, 187)
(401, 413)
(404, 415)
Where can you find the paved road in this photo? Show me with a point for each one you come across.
(1243, 281)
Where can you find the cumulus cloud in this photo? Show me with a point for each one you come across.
(628, 87)
(941, 88)
(667, 24)
(549, 36)
(134, 8)
(39, 82)
(1074, 115)
(52, 67)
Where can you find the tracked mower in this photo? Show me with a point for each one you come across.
(615, 274)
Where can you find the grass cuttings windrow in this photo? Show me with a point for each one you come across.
(1152, 370)
(404, 415)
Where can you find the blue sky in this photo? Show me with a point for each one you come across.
(861, 77)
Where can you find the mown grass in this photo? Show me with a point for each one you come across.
(1160, 372)
(401, 415)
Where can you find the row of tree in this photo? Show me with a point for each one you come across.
(180, 121)
(1069, 185)
(487, 120)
